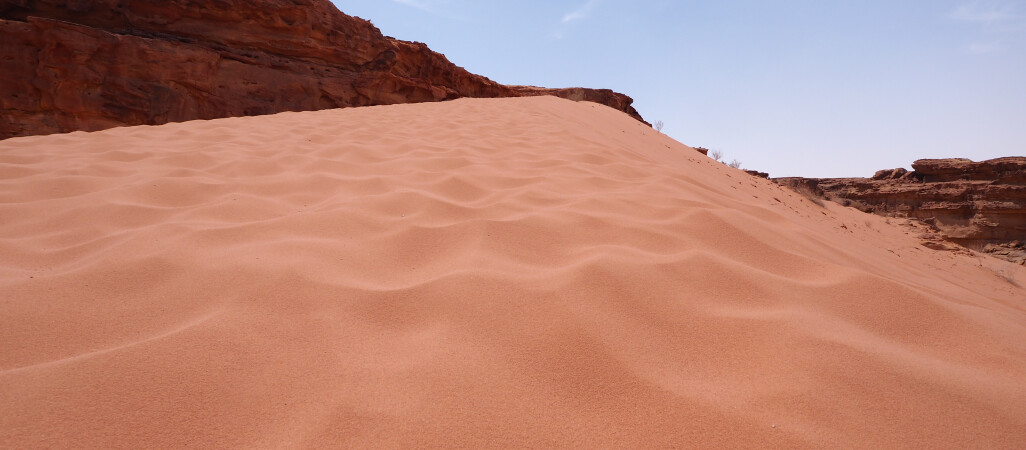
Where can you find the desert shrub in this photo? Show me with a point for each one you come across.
(735, 164)
(716, 154)
(658, 125)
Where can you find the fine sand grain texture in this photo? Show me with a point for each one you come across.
(477, 273)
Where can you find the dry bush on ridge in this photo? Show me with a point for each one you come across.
(716, 154)
(735, 164)
(658, 125)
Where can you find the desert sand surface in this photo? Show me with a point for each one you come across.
(475, 273)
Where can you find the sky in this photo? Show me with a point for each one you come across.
(813, 88)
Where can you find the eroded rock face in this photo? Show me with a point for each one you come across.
(981, 205)
(69, 65)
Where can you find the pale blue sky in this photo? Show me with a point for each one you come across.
(793, 87)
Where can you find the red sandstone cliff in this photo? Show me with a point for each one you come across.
(981, 205)
(70, 65)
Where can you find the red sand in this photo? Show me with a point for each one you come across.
(478, 273)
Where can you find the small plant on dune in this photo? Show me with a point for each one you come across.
(735, 164)
(658, 125)
(716, 154)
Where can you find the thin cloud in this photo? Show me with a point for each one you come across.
(983, 48)
(439, 8)
(996, 25)
(984, 12)
(580, 13)
(414, 3)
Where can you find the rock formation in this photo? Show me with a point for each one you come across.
(756, 173)
(70, 65)
(980, 205)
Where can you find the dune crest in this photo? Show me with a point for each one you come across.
(478, 273)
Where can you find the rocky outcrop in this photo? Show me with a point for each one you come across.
(981, 205)
(606, 97)
(70, 65)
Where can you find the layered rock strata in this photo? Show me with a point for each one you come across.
(980, 205)
(69, 65)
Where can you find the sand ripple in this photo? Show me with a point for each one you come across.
(476, 273)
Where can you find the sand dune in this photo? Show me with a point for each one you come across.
(475, 273)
